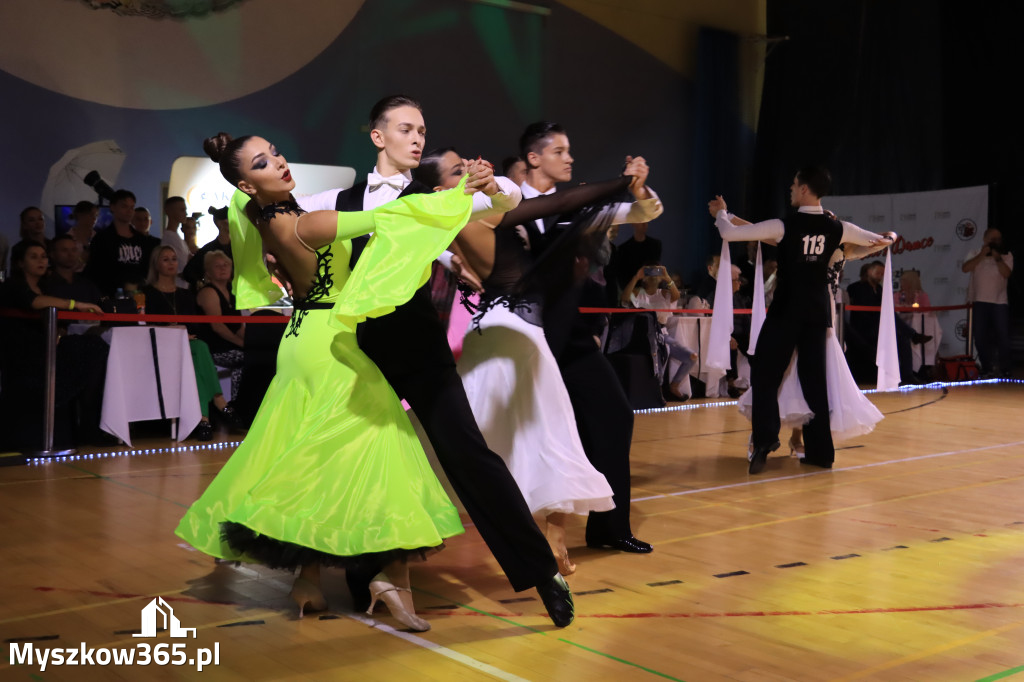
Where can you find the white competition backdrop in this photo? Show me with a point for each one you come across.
(936, 230)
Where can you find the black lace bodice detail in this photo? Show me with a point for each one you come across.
(320, 289)
(288, 206)
(835, 275)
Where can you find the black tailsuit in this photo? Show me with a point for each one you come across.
(799, 318)
(410, 347)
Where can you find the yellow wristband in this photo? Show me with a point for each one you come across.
(71, 304)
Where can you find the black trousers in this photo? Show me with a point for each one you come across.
(779, 337)
(604, 419)
(410, 348)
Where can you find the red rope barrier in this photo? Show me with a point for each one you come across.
(284, 319)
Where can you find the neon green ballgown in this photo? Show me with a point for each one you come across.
(331, 468)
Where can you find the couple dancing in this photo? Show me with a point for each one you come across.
(797, 328)
(331, 472)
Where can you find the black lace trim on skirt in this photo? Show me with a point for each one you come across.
(286, 555)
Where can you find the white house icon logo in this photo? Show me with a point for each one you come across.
(149, 618)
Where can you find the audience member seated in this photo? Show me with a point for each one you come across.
(226, 341)
(33, 226)
(862, 331)
(83, 228)
(119, 254)
(652, 288)
(913, 295)
(165, 297)
(196, 267)
(142, 220)
(81, 363)
(64, 279)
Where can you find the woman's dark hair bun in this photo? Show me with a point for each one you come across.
(215, 146)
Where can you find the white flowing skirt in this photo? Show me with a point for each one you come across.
(851, 414)
(524, 412)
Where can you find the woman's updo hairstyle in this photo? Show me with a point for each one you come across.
(224, 150)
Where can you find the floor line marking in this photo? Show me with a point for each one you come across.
(742, 484)
(124, 485)
(439, 649)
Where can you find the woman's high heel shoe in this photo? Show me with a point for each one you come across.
(382, 590)
(307, 596)
(796, 448)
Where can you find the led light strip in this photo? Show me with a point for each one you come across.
(135, 453)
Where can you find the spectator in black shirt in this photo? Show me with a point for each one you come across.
(120, 254)
(64, 281)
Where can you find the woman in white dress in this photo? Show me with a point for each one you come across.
(511, 377)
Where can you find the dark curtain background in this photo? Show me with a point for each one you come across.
(904, 96)
(722, 145)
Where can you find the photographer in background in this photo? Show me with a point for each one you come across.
(651, 287)
(990, 269)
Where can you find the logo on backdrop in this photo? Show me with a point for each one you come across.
(170, 621)
(966, 229)
(901, 244)
(961, 329)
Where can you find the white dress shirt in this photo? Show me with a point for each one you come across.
(504, 201)
(623, 213)
(377, 194)
(774, 230)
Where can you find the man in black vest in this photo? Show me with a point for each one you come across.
(411, 349)
(800, 313)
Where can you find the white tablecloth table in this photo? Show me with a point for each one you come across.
(136, 391)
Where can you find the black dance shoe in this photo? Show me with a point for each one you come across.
(229, 416)
(760, 456)
(811, 462)
(625, 544)
(203, 432)
(557, 598)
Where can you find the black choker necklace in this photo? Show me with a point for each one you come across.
(287, 206)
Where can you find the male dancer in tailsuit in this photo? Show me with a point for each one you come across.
(604, 417)
(411, 349)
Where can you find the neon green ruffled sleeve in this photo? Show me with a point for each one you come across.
(409, 234)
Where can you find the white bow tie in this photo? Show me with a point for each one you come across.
(375, 181)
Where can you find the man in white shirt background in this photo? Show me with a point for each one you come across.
(990, 268)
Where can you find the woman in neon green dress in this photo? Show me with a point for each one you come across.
(331, 469)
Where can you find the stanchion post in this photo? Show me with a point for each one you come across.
(970, 329)
(51, 377)
(49, 387)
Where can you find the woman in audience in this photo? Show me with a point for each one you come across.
(80, 360)
(225, 340)
(165, 297)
